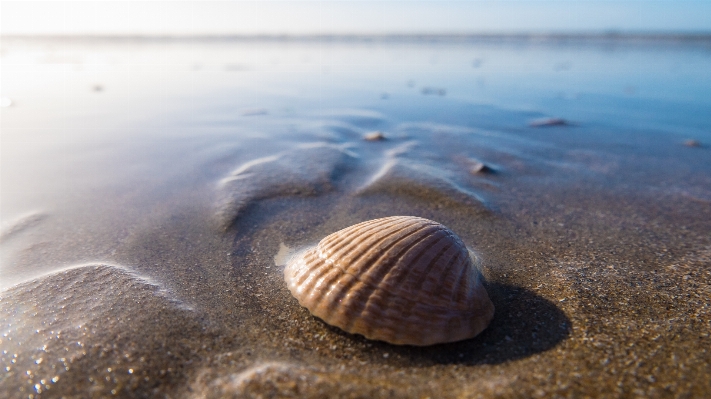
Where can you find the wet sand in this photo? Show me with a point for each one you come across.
(151, 270)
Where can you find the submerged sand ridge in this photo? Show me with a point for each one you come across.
(317, 168)
(594, 240)
(308, 170)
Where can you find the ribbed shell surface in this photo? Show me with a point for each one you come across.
(403, 279)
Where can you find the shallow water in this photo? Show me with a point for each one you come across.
(147, 186)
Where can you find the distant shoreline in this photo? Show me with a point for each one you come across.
(599, 37)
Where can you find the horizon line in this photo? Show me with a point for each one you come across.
(700, 36)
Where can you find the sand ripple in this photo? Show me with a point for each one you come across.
(405, 178)
(94, 330)
(284, 380)
(20, 224)
(306, 170)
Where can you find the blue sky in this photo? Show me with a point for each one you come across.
(351, 17)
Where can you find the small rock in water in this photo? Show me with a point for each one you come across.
(433, 91)
(544, 122)
(692, 143)
(374, 136)
(479, 167)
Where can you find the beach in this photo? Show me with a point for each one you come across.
(152, 188)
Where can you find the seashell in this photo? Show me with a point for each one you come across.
(402, 279)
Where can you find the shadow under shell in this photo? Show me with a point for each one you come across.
(524, 324)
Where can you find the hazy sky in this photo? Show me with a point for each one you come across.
(323, 17)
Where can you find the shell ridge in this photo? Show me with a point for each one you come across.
(368, 304)
(344, 290)
(313, 276)
(420, 281)
(402, 251)
(374, 245)
(338, 298)
(318, 275)
(371, 287)
(353, 230)
(467, 269)
(301, 274)
(359, 309)
(464, 289)
(318, 296)
(383, 268)
(315, 301)
(464, 262)
(452, 262)
(350, 244)
(457, 310)
(459, 281)
(422, 252)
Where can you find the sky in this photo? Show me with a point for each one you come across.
(350, 17)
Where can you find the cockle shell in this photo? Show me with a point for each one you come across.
(402, 279)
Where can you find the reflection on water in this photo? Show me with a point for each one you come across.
(578, 169)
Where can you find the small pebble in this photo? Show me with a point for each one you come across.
(374, 136)
(543, 122)
(692, 143)
(480, 167)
